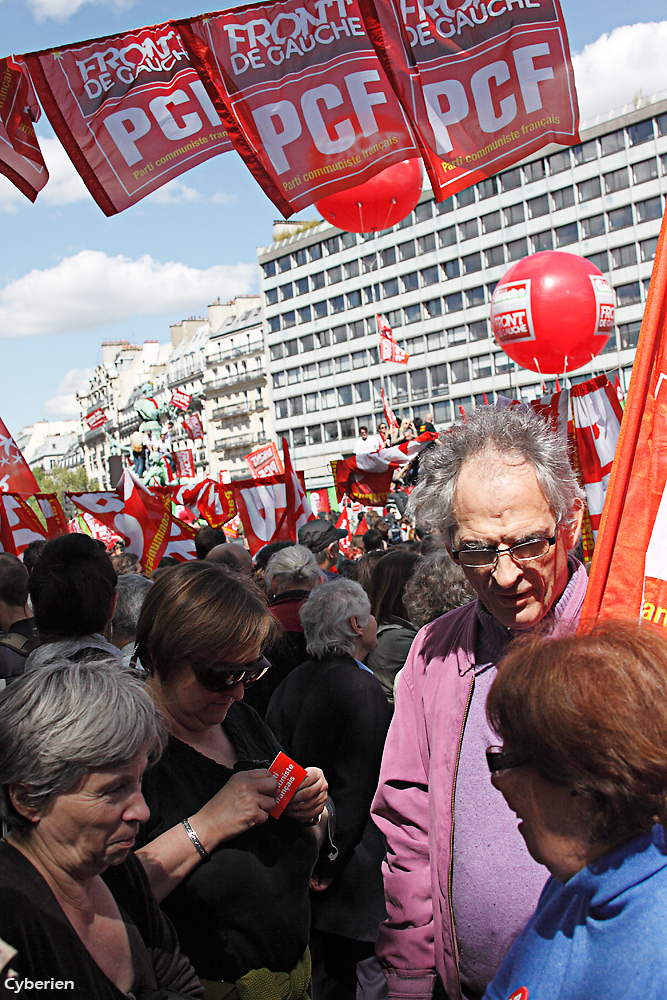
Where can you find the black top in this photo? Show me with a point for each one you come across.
(12, 661)
(248, 907)
(48, 947)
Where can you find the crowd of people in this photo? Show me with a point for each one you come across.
(434, 690)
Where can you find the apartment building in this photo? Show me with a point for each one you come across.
(433, 275)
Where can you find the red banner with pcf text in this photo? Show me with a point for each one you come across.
(20, 156)
(130, 110)
(185, 463)
(303, 95)
(483, 85)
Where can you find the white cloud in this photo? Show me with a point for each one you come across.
(60, 10)
(618, 67)
(91, 290)
(64, 405)
(176, 192)
(63, 187)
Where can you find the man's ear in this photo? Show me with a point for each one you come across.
(18, 793)
(572, 529)
(354, 622)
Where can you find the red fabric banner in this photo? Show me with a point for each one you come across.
(19, 525)
(130, 111)
(303, 95)
(482, 85)
(629, 571)
(193, 426)
(264, 461)
(299, 510)
(20, 156)
(96, 418)
(180, 399)
(185, 463)
(262, 507)
(15, 476)
(389, 349)
(53, 514)
(390, 416)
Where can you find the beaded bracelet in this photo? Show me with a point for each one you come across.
(201, 850)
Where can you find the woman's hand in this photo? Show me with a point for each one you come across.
(245, 801)
(308, 803)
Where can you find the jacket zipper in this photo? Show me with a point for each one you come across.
(451, 839)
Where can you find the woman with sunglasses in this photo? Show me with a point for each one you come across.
(233, 879)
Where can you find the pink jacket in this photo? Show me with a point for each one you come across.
(421, 754)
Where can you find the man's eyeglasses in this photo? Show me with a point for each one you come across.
(499, 759)
(224, 676)
(522, 552)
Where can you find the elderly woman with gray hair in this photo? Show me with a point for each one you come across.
(332, 710)
(77, 906)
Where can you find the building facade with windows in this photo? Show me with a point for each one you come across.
(433, 275)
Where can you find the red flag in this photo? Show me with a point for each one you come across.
(130, 111)
(449, 66)
(54, 515)
(15, 476)
(389, 349)
(19, 525)
(20, 156)
(390, 416)
(193, 426)
(262, 507)
(185, 463)
(370, 488)
(264, 461)
(215, 503)
(303, 95)
(96, 418)
(629, 571)
(180, 399)
(299, 510)
(344, 522)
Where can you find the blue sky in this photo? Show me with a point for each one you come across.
(65, 266)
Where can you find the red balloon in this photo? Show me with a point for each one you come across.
(378, 203)
(552, 312)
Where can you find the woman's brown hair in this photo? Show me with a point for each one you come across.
(390, 577)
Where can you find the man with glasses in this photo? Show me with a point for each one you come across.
(459, 882)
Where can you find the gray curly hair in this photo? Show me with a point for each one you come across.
(516, 432)
(326, 614)
(294, 565)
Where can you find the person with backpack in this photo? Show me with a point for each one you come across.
(19, 631)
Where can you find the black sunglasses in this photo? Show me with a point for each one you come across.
(223, 676)
(500, 760)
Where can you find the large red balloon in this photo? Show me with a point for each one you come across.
(378, 203)
(552, 312)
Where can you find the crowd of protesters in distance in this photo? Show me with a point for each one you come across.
(430, 688)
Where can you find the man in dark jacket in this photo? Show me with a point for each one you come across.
(18, 627)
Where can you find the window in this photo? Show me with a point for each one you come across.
(647, 210)
(627, 295)
(281, 409)
(514, 214)
(388, 256)
(538, 206)
(328, 398)
(534, 171)
(272, 296)
(284, 263)
(323, 338)
(592, 226)
(304, 314)
(442, 412)
(296, 406)
(351, 269)
(276, 352)
(587, 190)
(326, 368)
(586, 152)
(465, 197)
(279, 379)
(478, 330)
(309, 372)
(338, 304)
(413, 313)
(334, 275)
(433, 307)
(395, 318)
(617, 180)
(353, 299)
(316, 251)
(320, 309)
(307, 343)
(629, 334)
(331, 431)
(315, 434)
(491, 222)
(487, 188)
(481, 367)
(371, 294)
(566, 234)
(612, 143)
(468, 230)
(406, 251)
(345, 395)
(510, 180)
(349, 240)
(494, 256)
(563, 198)
(424, 211)
(647, 170)
(362, 392)
(406, 222)
(624, 256)
(311, 402)
(447, 237)
(410, 281)
(300, 258)
(456, 335)
(399, 388)
(317, 280)
(620, 218)
(269, 268)
(429, 275)
(641, 132)
(291, 348)
(298, 437)
(415, 345)
(369, 263)
(338, 335)
(647, 248)
(332, 245)
(517, 249)
(293, 376)
(371, 325)
(342, 363)
(452, 268)
(559, 161)
(289, 319)
(453, 302)
(389, 288)
(426, 243)
(436, 340)
(419, 384)
(661, 122)
(445, 206)
(459, 370)
(301, 286)
(347, 428)
(542, 241)
(475, 297)
(471, 263)
(599, 260)
(356, 329)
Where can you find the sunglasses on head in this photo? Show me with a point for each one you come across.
(223, 676)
